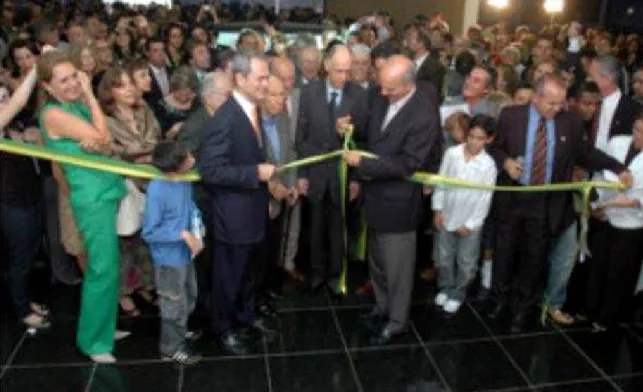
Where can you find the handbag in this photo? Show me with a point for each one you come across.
(130, 213)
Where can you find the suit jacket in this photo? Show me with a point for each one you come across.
(193, 129)
(572, 149)
(316, 134)
(392, 203)
(294, 116)
(623, 120)
(287, 154)
(155, 93)
(432, 70)
(229, 156)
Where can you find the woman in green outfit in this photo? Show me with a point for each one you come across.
(72, 121)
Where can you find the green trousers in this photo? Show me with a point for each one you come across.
(99, 302)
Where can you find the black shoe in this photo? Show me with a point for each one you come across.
(262, 326)
(335, 297)
(233, 344)
(313, 288)
(373, 320)
(385, 336)
(264, 309)
(518, 322)
(497, 310)
(483, 293)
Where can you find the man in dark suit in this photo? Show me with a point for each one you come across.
(617, 111)
(326, 106)
(160, 73)
(550, 143)
(402, 132)
(427, 61)
(235, 175)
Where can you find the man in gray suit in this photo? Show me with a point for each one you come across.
(280, 150)
(284, 69)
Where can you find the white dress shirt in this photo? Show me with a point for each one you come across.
(160, 74)
(622, 217)
(395, 107)
(249, 107)
(608, 108)
(460, 206)
(420, 61)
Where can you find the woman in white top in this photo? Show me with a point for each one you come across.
(617, 249)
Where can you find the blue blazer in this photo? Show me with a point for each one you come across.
(228, 163)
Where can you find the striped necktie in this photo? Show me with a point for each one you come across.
(539, 164)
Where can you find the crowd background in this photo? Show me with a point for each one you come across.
(159, 73)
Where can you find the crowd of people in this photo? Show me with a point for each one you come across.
(497, 105)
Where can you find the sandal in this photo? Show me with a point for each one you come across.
(37, 321)
(128, 306)
(39, 309)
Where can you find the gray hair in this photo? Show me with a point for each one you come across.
(610, 67)
(360, 49)
(184, 78)
(242, 62)
(546, 79)
(211, 82)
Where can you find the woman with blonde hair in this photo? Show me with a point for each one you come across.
(72, 121)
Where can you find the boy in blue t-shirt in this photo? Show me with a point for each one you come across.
(172, 228)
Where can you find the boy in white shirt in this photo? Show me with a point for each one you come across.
(460, 213)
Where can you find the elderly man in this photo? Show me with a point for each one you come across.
(538, 144)
(361, 69)
(326, 106)
(308, 65)
(235, 173)
(402, 136)
(284, 69)
(215, 90)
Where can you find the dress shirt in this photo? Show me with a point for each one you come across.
(249, 107)
(461, 206)
(160, 74)
(270, 128)
(395, 107)
(289, 105)
(330, 90)
(420, 61)
(532, 128)
(608, 108)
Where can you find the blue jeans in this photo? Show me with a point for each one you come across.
(562, 255)
(22, 229)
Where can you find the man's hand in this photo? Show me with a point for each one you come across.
(293, 196)
(463, 231)
(343, 123)
(599, 213)
(195, 245)
(625, 177)
(265, 171)
(513, 169)
(353, 190)
(277, 190)
(174, 131)
(93, 145)
(352, 158)
(32, 135)
(302, 186)
(438, 220)
(624, 201)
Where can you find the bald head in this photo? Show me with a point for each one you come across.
(550, 96)
(338, 66)
(284, 69)
(397, 77)
(275, 100)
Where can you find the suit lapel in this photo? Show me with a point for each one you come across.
(615, 126)
(394, 123)
(248, 125)
(560, 145)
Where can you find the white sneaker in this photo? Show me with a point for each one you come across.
(452, 306)
(441, 299)
(120, 335)
(103, 358)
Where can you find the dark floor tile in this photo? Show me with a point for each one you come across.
(630, 384)
(143, 343)
(402, 369)
(64, 300)
(58, 379)
(590, 386)
(11, 331)
(247, 375)
(615, 351)
(328, 373)
(133, 378)
(54, 345)
(306, 331)
(500, 326)
(435, 325)
(549, 359)
(358, 335)
(294, 298)
(476, 366)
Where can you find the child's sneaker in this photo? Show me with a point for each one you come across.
(183, 357)
(452, 306)
(441, 299)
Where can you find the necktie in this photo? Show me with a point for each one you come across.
(539, 164)
(255, 124)
(332, 109)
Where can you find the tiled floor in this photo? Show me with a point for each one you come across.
(323, 347)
